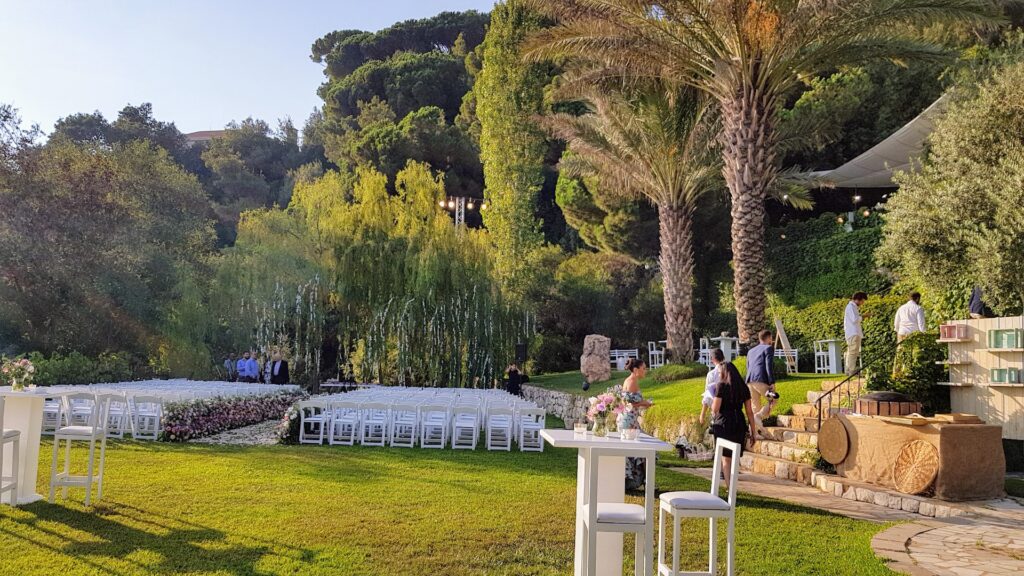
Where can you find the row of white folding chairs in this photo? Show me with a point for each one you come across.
(432, 425)
(141, 415)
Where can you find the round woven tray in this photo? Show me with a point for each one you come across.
(916, 467)
(833, 441)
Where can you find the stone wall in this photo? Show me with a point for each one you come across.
(569, 407)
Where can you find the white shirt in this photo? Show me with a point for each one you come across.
(851, 321)
(909, 319)
(710, 386)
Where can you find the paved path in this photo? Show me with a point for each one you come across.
(260, 434)
(990, 542)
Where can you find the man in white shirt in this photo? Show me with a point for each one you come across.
(853, 331)
(909, 318)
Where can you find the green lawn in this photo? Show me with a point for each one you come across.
(674, 401)
(215, 510)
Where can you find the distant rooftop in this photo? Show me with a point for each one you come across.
(203, 135)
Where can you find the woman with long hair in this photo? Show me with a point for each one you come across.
(635, 404)
(732, 400)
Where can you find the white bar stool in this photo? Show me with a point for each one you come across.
(93, 430)
(9, 484)
(690, 504)
(619, 517)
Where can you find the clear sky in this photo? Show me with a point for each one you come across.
(201, 63)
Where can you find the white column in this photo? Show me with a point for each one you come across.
(24, 412)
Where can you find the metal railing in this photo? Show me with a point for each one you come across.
(851, 398)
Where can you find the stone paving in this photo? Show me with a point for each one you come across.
(261, 434)
(989, 541)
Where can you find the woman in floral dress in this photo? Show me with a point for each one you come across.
(634, 405)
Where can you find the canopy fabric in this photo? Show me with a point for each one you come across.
(874, 168)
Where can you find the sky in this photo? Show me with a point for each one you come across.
(200, 63)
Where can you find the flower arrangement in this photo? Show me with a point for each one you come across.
(288, 427)
(184, 421)
(604, 404)
(19, 373)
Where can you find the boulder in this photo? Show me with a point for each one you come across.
(594, 363)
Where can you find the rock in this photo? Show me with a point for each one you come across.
(595, 363)
(911, 505)
(926, 509)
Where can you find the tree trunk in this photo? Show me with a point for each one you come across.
(748, 154)
(676, 230)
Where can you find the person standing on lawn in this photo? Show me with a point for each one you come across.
(710, 384)
(231, 367)
(242, 368)
(760, 378)
(252, 367)
(909, 318)
(853, 331)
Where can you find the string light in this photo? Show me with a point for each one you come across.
(483, 206)
(783, 236)
(866, 212)
(840, 220)
(469, 205)
(856, 198)
(451, 203)
(441, 203)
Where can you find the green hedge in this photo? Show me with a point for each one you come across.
(824, 320)
(673, 372)
(77, 368)
(915, 372)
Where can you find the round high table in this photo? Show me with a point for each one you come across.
(729, 345)
(608, 454)
(23, 411)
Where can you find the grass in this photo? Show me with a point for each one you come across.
(1015, 487)
(220, 510)
(679, 400)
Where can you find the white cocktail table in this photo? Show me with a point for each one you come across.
(609, 455)
(23, 411)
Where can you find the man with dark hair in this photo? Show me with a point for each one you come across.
(852, 330)
(760, 378)
(909, 318)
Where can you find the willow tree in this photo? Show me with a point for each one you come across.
(512, 148)
(747, 55)
(655, 142)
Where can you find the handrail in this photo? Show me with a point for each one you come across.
(857, 372)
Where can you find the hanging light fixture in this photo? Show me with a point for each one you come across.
(451, 203)
(441, 203)
(856, 198)
(469, 205)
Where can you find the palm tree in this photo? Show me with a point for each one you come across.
(657, 142)
(747, 55)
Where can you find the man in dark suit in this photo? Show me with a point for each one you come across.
(760, 378)
(278, 369)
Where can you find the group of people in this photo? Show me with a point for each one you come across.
(249, 368)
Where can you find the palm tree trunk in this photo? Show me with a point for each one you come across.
(676, 229)
(748, 135)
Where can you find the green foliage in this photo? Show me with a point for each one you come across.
(916, 374)
(956, 221)
(344, 51)
(76, 368)
(509, 93)
(672, 372)
(407, 81)
(818, 259)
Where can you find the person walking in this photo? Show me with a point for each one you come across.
(853, 331)
(242, 368)
(909, 318)
(710, 384)
(760, 378)
(732, 400)
(231, 368)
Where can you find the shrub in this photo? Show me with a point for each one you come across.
(76, 368)
(778, 366)
(184, 421)
(915, 372)
(673, 372)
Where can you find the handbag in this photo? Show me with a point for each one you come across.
(717, 427)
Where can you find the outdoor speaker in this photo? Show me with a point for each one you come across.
(521, 353)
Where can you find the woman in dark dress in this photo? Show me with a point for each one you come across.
(732, 399)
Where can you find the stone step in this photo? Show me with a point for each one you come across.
(802, 423)
(827, 385)
(805, 410)
(777, 467)
(786, 450)
(792, 435)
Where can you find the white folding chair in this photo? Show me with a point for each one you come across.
(822, 360)
(704, 352)
(147, 414)
(344, 426)
(530, 423)
(9, 482)
(465, 427)
(499, 428)
(312, 421)
(53, 415)
(434, 423)
(118, 416)
(92, 431)
(405, 420)
(690, 504)
(373, 429)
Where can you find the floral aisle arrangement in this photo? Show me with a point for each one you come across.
(184, 421)
(18, 373)
(288, 427)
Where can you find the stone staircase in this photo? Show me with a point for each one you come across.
(790, 449)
